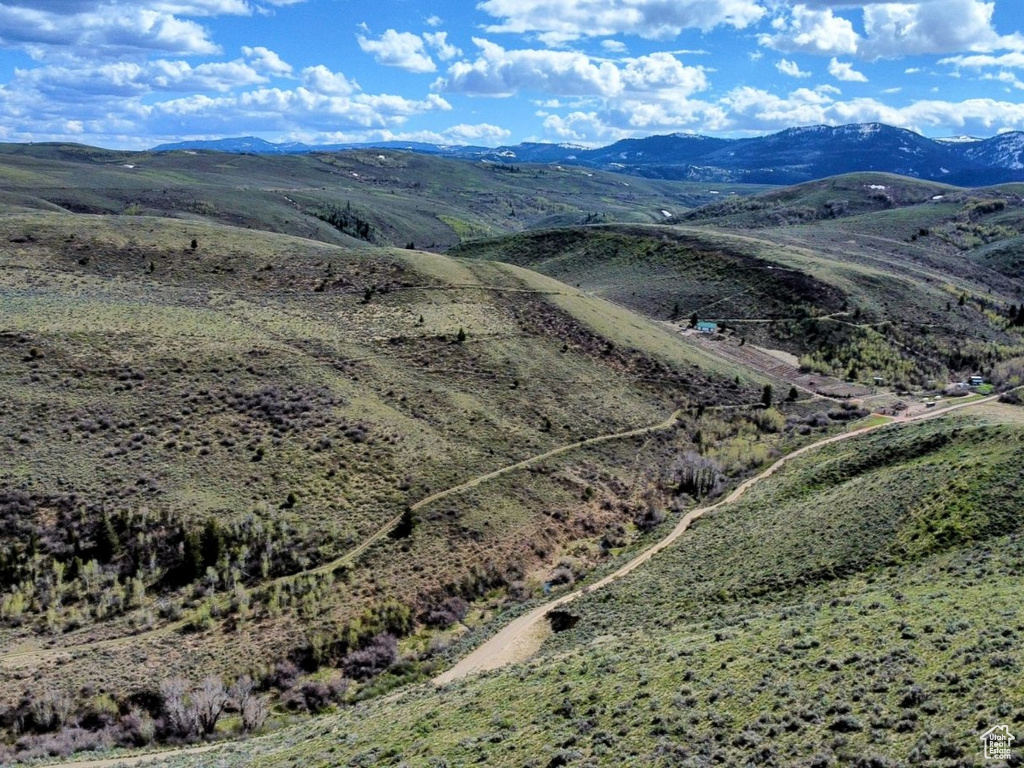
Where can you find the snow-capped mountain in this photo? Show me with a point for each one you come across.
(958, 139)
(240, 145)
(1003, 151)
(788, 157)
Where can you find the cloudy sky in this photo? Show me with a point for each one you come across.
(133, 74)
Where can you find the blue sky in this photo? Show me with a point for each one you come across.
(133, 74)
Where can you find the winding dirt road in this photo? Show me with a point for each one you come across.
(524, 636)
(35, 655)
(148, 757)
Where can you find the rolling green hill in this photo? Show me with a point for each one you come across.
(379, 197)
(665, 272)
(222, 446)
(249, 435)
(911, 289)
(836, 197)
(859, 608)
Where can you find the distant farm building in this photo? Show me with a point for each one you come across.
(977, 381)
(705, 327)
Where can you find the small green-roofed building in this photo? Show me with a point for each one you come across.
(706, 327)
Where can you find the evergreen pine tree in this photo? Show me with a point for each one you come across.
(108, 545)
(406, 525)
(212, 544)
(192, 564)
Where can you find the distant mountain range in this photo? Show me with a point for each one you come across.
(255, 146)
(792, 156)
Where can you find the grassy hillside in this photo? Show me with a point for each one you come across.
(317, 464)
(222, 446)
(858, 608)
(847, 195)
(924, 223)
(664, 272)
(912, 292)
(380, 197)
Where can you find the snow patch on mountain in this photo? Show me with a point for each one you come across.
(790, 156)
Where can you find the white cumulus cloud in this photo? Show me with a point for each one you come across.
(480, 133)
(399, 49)
(890, 29)
(266, 61)
(662, 72)
(280, 110)
(629, 118)
(791, 68)
(893, 30)
(811, 31)
(979, 61)
(841, 70)
(753, 108)
(500, 72)
(320, 79)
(79, 81)
(111, 28)
(439, 42)
(558, 21)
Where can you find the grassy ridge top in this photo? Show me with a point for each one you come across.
(846, 195)
(664, 271)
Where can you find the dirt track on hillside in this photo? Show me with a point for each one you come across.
(36, 655)
(523, 637)
(149, 757)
